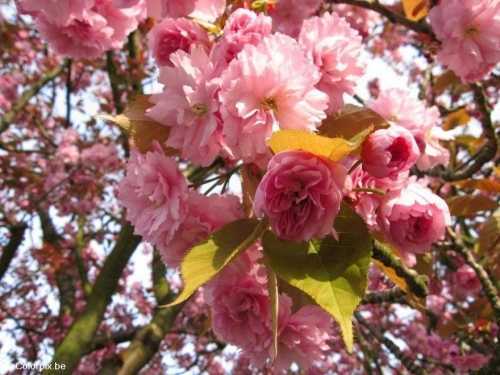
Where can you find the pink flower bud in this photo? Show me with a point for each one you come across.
(388, 152)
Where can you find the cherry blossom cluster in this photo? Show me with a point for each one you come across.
(223, 97)
(231, 77)
(84, 28)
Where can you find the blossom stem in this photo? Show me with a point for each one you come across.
(419, 27)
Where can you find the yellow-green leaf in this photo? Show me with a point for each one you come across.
(333, 273)
(469, 205)
(208, 258)
(331, 148)
(415, 10)
(351, 121)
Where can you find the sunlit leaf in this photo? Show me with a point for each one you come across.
(415, 10)
(208, 258)
(445, 81)
(141, 129)
(333, 273)
(457, 118)
(472, 143)
(332, 148)
(488, 185)
(469, 205)
(489, 235)
(351, 121)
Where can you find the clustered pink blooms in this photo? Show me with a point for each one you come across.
(240, 310)
(222, 97)
(399, 107)
(335, 49)
(84, 28)
(470, 34)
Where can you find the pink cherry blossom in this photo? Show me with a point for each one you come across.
(300, 194)
(302, 335)
(240, 307)
(173, 34)
(242, 27)
(288, 15)
(400, 107)
(413, 219)
(435, 153)
(58, 12)
(204, 215)
(204, 10)
(190, 107)
(335, 49)
(268, 86)
(388, 152)
(360, 19)
(91, 33)
(155, 194)
(465, 280)
(366, 192)
(470, 34)
(208, 10)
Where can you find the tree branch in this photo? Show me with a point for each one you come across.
(409, 363)
(11, 115)
(9, 251)
(148, 339)
(79, 339)
(419, 27)
(416, 282)
(484, 155)
(394, 295)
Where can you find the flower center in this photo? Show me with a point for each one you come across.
(399, 151)
(270, 104)
(471, 31)
(199, 109)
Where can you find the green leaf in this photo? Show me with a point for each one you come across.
(333, 273)
(208, 258)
